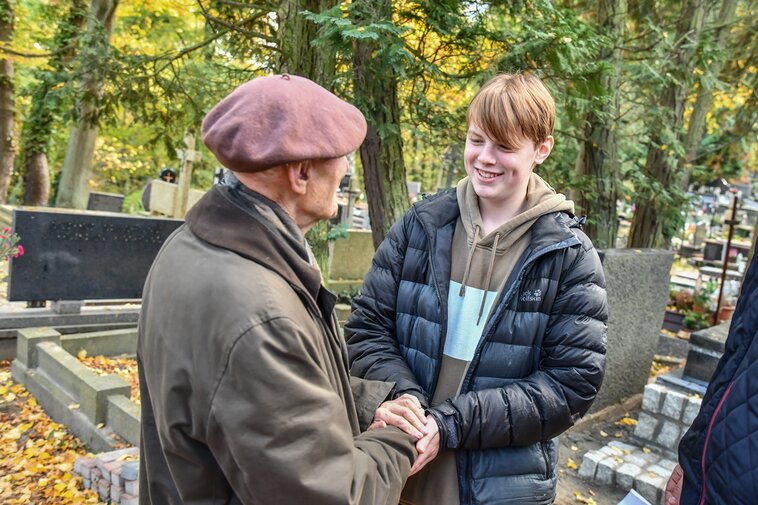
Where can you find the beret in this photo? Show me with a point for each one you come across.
(277, 119)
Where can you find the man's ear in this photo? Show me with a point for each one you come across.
(298, 175)
(543, 149)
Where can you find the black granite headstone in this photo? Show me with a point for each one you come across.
(107, 202)
(706, 349)
(80, 256)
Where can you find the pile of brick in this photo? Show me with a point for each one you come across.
(646, 466)
(113, 475)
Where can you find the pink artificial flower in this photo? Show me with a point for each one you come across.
(20, 250)
(6, 229)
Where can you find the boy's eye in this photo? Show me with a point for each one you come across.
(475, 140)
(504, 148)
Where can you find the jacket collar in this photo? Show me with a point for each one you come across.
(225, 220)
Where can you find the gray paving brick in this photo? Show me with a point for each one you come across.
(649, 458)
(646, 425)
(650, 486)
(589, 464)
(622, 445)
(130, 470)
(653, 397)
(691, 410)
(659, 470)
(667, 464)
(606, 470)
(127, 499)
(625, 475)
(673, 405)
(669, 435)
(131, 487)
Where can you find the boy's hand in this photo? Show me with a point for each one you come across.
(428, 447)
(405, 413)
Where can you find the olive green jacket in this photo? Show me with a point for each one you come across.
(246, 394)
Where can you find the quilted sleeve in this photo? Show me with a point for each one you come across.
(370, 330)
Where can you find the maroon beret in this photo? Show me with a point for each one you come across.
(274, 120)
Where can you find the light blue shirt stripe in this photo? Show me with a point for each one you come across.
(463, 333)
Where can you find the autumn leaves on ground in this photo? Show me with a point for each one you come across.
(36, 454)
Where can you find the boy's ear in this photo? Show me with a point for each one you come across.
(298, 175)
(544, 149)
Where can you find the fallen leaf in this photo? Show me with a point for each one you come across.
(571, 464)
(574, 448)
(603, 434)
(73, 406)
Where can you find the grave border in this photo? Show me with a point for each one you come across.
(95, 408)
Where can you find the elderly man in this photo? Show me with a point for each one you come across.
(246, 395)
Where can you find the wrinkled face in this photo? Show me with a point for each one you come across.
(324, 179)
(497, 173)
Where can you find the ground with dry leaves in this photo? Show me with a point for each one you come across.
(36, 454)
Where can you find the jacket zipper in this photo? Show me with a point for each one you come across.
(505, 299)
(707, 439)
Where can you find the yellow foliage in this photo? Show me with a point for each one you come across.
(36, 454)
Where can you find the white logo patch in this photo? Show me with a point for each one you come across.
(529, 296)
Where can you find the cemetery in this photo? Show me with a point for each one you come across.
(104, 114)
(94, 309)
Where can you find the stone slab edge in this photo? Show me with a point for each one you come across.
(56, 403)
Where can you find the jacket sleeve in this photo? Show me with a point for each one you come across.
(370, 330)
(550, 400)
(281, 433)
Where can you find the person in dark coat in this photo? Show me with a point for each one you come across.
(246, 394)
(718, 456)
(487, 302)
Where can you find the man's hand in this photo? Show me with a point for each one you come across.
(428, 447)
(674, 487)
(405, 413)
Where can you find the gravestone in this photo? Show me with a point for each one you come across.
(84, 256)
(106, 202)
(638, 288)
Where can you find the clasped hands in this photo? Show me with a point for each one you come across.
(407, 414)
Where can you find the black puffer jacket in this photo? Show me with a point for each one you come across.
(718, 454)
(537, 367)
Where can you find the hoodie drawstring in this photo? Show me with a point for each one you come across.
(468, 261)
(487, 280)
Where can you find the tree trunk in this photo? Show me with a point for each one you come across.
(36, 180)
(696, 126)
(38, 127)
(77, 166)
(598, 155)
(656, 215)
(294, 38)
(375, 88)
(7, 101)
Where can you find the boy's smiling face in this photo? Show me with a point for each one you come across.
(497, 173)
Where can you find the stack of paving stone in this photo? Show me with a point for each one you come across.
(645, 466)
(114, 475)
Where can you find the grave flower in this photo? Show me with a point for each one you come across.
(9, 244)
